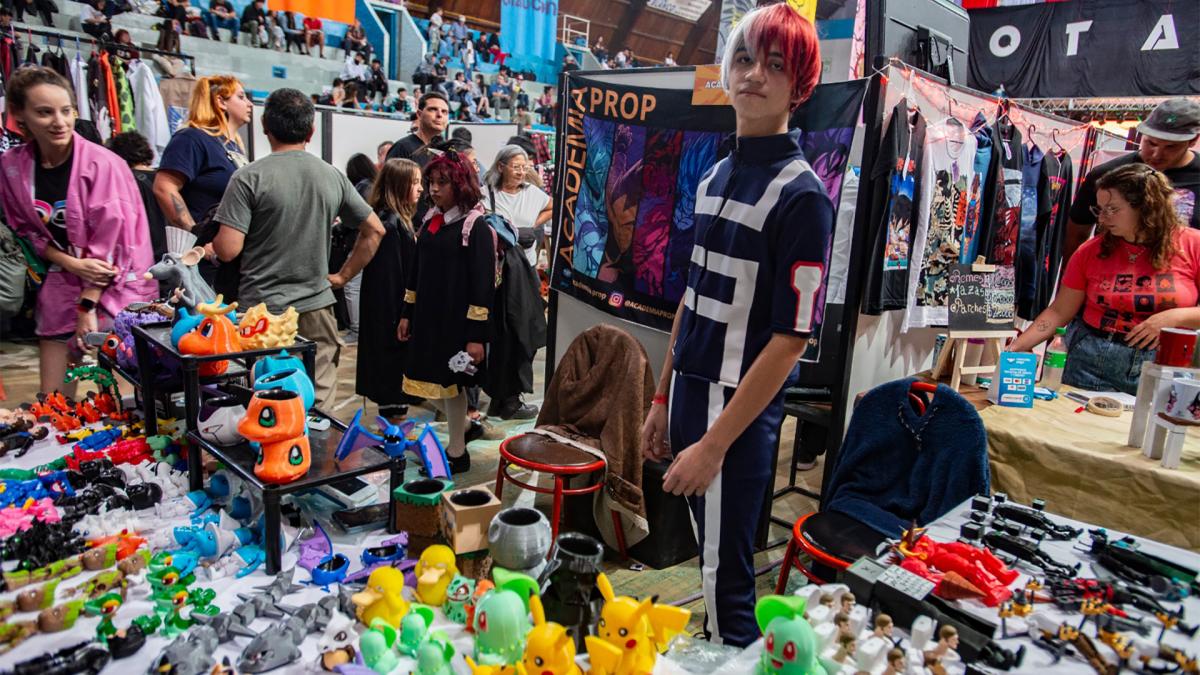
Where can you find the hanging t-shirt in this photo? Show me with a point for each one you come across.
(983, 160)
(1033, 200)
(897, 189)
(1002, 197)
(949, 168)
(522, 209)
(1185, 179)
(1124, 289)
(1054, 200)
(50, 198)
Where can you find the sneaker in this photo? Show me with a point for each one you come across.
(351, 338)
(526, 411)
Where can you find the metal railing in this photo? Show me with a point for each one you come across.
(107, 45)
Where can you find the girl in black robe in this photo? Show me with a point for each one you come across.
(393, 195)
(448, 297)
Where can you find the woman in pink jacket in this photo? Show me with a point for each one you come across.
(78, 205)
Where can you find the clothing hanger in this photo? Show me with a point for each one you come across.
(1054, 139)
(916, 396)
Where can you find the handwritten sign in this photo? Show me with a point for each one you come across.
(981, 301)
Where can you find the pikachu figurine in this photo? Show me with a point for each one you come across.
(631, 634)
(549, 650)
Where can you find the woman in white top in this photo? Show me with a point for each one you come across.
(516, 197)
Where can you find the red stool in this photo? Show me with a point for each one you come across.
(830, 538)
(540, 453)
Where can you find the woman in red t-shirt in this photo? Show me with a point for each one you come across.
(1139, 275)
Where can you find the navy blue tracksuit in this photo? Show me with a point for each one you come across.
(758, 267)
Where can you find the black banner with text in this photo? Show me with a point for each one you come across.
(1087, 48)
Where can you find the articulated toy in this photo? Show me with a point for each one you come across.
(1028, 552)
(962, 570)
(631, 634)
(279, 644)
(79, 659)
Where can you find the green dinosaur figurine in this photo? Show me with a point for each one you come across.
(414, 628)
(501, 619)
(106, 607)
(434, 656)
(789, 642)
(378, 647)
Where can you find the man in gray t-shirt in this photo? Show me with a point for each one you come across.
(278, 212)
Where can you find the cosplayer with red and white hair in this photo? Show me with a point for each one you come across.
(755, 292)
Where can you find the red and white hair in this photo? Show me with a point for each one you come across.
(791, 34)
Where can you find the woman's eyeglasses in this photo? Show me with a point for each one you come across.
(1104, 211)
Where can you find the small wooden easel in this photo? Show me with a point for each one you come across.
(956, 346)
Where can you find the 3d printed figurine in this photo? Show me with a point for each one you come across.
(275, 425)
(946, 645)
(519, 539)
(457, 594)
(572, 599)
(434, 656)
(291, 379)
(336, 645)
(178, 271)
(631, 634)
(790, 645)
(435, 570)
(501, 620)
(896, 664)
(271, 364)
(218, 420)
(884, 627)
(393, 440)
(965, 571)
(549, 650)
(414, 629)
(260, 329)
(383, 598)
(215, 334)
(378, 647)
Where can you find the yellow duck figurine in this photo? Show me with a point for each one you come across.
(435, 570)
(549, 650)
(631, 634)
(383, 598)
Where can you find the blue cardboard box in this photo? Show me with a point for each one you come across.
(1012, 384)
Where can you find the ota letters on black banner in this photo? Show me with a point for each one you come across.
(1087, 48)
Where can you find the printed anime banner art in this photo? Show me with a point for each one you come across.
(632, 159)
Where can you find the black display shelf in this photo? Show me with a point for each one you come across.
(153, 338)
(325, 469)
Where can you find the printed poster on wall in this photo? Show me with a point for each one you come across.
(630, 165)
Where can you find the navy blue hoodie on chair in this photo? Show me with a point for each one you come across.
(897, 466)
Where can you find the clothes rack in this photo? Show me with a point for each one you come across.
(108, 45)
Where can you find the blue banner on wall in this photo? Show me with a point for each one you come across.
(528, 29)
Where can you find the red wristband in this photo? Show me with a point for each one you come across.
(659, 399)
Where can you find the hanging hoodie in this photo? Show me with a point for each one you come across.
(894, 210)
(124, 95)
(1002, 196)
(79, 80)
(974, 230)
(149, 113)
(1054, 204)
(1032, 201)
(109, 92)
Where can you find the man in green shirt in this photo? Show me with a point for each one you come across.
(279, 212)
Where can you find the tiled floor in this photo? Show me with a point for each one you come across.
(18, 373)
